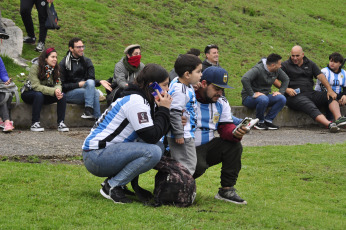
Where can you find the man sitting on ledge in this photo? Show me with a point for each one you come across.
(300, 94)
(78, 80)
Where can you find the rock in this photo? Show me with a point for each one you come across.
(13, 46)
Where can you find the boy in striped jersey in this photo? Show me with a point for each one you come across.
(181, 138)
(336, 77)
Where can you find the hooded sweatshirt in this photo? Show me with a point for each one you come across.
(259, 79)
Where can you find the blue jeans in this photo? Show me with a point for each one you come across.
(261, 104)
(123, 161)
(87, 95)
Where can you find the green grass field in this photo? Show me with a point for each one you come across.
(244, 30)
(286, 187)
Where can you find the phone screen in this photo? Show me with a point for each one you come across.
(155, 86)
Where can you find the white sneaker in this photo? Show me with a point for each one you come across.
(39, 47)
(62, 127)
(36, 127)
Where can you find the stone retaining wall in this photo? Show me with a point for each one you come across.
(21, 116)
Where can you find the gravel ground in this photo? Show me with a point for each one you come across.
(52, 143)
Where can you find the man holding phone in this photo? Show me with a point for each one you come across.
(301, 72)
(214, 114)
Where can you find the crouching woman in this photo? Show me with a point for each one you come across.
(124, 142)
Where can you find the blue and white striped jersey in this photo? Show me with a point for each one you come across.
(336, 80)
(120, 122)
(208, 118)
(184, 98)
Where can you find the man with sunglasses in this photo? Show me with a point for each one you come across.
(78, 80)
(211, 56)
(214, 114)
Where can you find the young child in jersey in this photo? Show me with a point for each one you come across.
(336, 77)
(181, 138)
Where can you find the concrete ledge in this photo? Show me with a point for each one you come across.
(21, 116)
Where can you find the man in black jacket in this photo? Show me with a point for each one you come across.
(78, 80)
(300, 93)
(211, 56)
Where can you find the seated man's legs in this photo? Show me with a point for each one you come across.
(87, 95)
(277, 103)
(320, 99)
(260, 103)
(305, 102)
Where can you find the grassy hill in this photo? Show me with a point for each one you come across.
(245, 31)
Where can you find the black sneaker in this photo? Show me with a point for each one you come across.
(271, 125)
(29, 40)
(229, 195)
(88, 113)
(261, 126)
(124, 187)
(116, 194)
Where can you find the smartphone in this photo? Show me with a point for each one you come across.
(155, 86)
(245, 122)
(297, 90)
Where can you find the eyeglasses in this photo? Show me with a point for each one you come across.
(79, 47)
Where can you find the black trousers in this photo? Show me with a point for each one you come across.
(37, 99)
(219, 151)
(309, 102)
(25, 11)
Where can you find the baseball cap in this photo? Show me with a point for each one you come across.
(217, 76)
(130, 47)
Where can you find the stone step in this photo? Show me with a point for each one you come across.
(21, 116)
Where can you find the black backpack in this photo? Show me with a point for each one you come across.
(174, 185)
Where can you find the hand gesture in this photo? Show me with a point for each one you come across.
(179, 141)
(240, 132)
(106, 85)
(332, 94)
(8, 81)
(257, 94)
(58, 94)
(164, 100)
(81, 84)
(291, 92)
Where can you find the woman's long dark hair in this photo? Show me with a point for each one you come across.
(42, 65)
(150, 73)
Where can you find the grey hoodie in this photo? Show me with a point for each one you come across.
(259, 79)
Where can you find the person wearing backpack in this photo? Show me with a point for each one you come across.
(125, 141)
(214, 114)
(5, 121)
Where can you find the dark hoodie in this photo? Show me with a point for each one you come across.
(259, 79)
